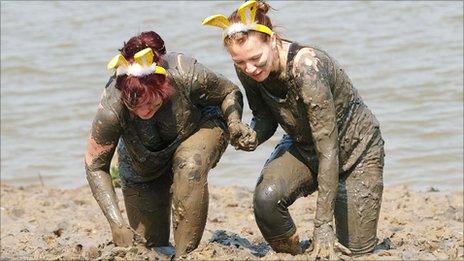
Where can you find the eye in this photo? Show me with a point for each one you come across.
(256, 57)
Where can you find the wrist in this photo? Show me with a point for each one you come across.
(233, 122)
(117, 225)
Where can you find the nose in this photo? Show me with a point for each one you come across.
(250, 68)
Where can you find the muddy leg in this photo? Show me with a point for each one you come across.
(284, 179)
(148, 208)
(357, 207)
(192, 161)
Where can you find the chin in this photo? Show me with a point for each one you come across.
(261, 77)
(146, 117)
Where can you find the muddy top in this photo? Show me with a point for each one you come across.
(311, 99)
(198, 93)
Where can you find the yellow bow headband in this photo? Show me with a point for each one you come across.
(247, 23)
(143, 65)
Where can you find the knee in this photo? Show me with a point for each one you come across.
(266, 199)
(191, 168)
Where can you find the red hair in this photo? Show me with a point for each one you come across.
(138, 91)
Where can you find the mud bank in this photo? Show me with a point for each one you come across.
(49, 223)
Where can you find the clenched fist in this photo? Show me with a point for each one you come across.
(242, 137)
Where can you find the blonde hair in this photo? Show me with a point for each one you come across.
(260, 18)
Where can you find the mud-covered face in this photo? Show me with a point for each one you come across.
(254, 57)
(147, 110)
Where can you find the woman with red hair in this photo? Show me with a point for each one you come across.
(170, 119)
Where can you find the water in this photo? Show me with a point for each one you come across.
(405, 58)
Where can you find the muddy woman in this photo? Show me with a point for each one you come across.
(332, 145)
(169, 117)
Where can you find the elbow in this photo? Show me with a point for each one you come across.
(237, 96)
(93, 172)
(89, 173)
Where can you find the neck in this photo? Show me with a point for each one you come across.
(280, 63)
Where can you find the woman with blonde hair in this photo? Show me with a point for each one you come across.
(332, 145)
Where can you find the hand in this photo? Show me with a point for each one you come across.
(242, 136)
(125, 236)
(325, 244)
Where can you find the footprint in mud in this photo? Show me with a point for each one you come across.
(231, 239)
(167, 251)
(385, 245)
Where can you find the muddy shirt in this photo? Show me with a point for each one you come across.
(316, 104)
(150, 143)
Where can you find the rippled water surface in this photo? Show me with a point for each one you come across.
(405, 58)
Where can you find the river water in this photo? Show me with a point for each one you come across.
(405, 58)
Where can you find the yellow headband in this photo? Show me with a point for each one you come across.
(246, 24)
(143, 65)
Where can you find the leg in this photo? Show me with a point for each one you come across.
(358, 201)
(192, 161)
(284, 178)
(148, 205)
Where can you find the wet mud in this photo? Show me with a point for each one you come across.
(49, 223)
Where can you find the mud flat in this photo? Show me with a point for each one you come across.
(49, 223)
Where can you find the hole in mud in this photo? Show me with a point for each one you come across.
(78, 248)
(58, 232)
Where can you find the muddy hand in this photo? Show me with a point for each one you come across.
(326, 244)
(125, 236)
(247, 142)
(242, 136)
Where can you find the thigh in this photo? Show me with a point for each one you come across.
(203, 149)
(192, 161)
(149, 197)
(286, 172)
(359, 197)
(148, 209)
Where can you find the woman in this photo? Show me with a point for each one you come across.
(161, 111)
(333, 142)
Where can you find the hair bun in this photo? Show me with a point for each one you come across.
(263, 7)
(153, 40)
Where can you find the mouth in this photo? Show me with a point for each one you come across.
(257, 74)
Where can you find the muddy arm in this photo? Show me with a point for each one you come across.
(263, 121)
(209, 88)
(317, 97)
(103, 138)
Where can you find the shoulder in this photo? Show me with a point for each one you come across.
(110, 99)
(305, 59)
(179, 63)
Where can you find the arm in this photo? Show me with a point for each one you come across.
(315, 92)
(103, 138)
(209, 88)
(263, 121)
